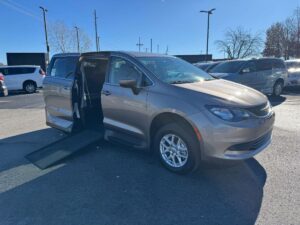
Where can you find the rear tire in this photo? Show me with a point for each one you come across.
(29, 87)
(177, 147)
(277, 89)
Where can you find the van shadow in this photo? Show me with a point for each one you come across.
(114, 185)
(276, 100)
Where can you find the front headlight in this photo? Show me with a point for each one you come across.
(229, 114)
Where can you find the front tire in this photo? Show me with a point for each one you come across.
(277, 89)
(178, 148)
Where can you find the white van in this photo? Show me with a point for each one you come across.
(27, 78)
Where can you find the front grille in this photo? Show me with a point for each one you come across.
(252, 145)
(261, 110)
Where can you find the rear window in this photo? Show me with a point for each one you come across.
(278, 64)
(17, 70)
(63, 67)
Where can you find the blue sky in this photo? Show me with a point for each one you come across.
(176, 23)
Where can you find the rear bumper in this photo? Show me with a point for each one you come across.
(3, 90)
(233, 141)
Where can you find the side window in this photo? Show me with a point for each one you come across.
(63, 67)
(264, 65)
(250, 67)
(278, 64)
(14, 71)
(28, 70)
(121, 69)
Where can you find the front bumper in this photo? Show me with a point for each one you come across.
(233, 140)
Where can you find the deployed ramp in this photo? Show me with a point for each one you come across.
(54, 152)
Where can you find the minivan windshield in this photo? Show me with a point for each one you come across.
(173, 70)
(228, 67)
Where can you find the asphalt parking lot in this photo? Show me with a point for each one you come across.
(109, 184)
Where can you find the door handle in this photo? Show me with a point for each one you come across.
(106, 92)
(66, 88)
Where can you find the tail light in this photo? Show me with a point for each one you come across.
(1, 77)
(42, 73)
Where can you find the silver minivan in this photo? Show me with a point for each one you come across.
(267, 75)
(157, 102)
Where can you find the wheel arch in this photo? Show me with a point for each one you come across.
(281, 80)
(171, 117)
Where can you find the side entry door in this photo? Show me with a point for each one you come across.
(125, 111)
(58, 92)
(248, 75)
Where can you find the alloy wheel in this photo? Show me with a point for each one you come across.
(173, 150)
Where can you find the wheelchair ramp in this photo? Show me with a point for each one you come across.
(55, 152)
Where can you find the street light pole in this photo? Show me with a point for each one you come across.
(45, 27)
(77, 35)
(96, 31)
(209, 12)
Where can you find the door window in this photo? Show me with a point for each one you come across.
(64, 67)
(121, 69)
(250, 67)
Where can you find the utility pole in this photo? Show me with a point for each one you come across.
(167, 50)
(157, 48)
(96, 31)
(45, 28)
(77, 35)
(139, 44)
(151, 45)
(209, 12)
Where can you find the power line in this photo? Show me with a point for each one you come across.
(19, 9)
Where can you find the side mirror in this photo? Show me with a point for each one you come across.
(130, 84)
(245, 70)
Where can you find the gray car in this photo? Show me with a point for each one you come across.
(267, 75)
(293, 67)
(160, 103)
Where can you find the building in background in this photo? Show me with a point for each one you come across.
(36, 58)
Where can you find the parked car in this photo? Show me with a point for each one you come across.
(207, 66)
(293, 67)
(27, 78)
(3, 88)
(267, 75)
(157, 102)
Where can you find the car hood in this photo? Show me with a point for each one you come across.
(227, 92)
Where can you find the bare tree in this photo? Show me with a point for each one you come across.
(240, 43)
(63, 38)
